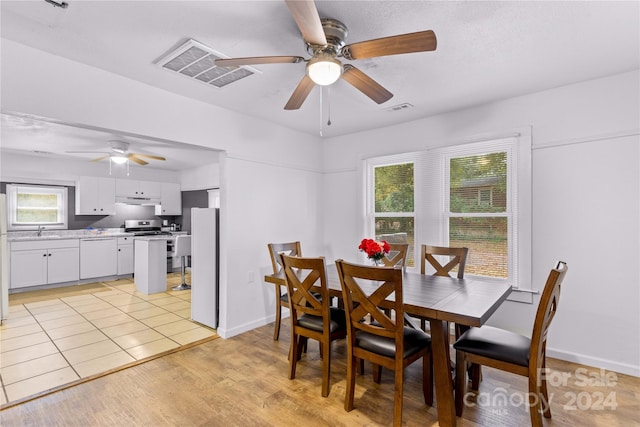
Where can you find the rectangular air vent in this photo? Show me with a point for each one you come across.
(399, 107)
(196, 61)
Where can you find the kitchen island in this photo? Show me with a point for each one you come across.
(150, 264)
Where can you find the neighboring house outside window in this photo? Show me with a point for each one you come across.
(30, 207)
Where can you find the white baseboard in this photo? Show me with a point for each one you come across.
(228, 333)
(610, 365)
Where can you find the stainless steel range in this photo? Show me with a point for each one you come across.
(148, 227)
(152, 227)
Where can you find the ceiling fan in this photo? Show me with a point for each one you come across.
(119, 153)
(325, 41)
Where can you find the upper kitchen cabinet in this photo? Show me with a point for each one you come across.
(170, 200)
(134, 188)
(95, 196)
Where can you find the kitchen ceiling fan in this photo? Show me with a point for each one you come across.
(119, 153)
(325, 41)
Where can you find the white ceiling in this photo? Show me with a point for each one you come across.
(486, 50)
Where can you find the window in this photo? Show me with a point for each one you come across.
(32, 206)
(473, 221)
(391, 201)
(476, 195)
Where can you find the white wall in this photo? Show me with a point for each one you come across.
(266, 161)
(586, 187)
(270, 204)
(24, 168)
(201, 178)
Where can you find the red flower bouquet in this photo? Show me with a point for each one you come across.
(375, 250)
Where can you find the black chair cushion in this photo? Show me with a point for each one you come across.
(496, 344)
(338, 321)
(414, 341)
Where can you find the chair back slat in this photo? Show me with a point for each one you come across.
(397, 255)
(307, 286)
(289, 248)
(364, 311)
(459, 258)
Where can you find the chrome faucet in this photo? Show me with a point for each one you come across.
(39, 233)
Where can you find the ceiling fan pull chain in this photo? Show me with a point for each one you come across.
(329, 106)
(321, 90)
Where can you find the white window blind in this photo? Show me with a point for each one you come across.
(478, 195)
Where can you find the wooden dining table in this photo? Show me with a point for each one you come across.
(466, 301)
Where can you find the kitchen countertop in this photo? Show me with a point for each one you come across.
(20, 236)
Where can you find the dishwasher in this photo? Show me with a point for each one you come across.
(98, 257)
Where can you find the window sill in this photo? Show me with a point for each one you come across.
(521, 295)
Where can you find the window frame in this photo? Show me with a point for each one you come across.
(430, 225)
(12, 191)
(370, 214)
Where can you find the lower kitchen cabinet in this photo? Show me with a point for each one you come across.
(43, 262)
(98, 257)
(125, 255)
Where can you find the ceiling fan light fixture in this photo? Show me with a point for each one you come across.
(119, 159)
(324, 69)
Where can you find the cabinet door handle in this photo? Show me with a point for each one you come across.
(44, 254)
(49, 255)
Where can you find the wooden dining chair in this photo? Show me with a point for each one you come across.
(397, 255)
(511, 352)
(282, 300)
(311, 315)
(380, 338)
(458, 257)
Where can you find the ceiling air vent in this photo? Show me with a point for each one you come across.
(197, 61)
(399, 107)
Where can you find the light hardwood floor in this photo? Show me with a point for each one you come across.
(243, 381)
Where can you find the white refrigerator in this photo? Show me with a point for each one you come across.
(204, 266)
(4, 260)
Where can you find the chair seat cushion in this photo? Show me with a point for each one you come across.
(338, 321)
(496, 344)
(414, 341)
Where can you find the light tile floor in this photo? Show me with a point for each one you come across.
(48, 343)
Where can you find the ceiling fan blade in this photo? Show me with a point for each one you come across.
(149, 156)
(306, 16)
(300, 94)
(365, 84)
(422, 41)
(236, 62)
(97, 159)
(133, 158)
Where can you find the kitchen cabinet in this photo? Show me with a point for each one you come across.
(95, 196)
(170, 199)
(125, 255)
(35, 263)
(98, 257)
(134, 188)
